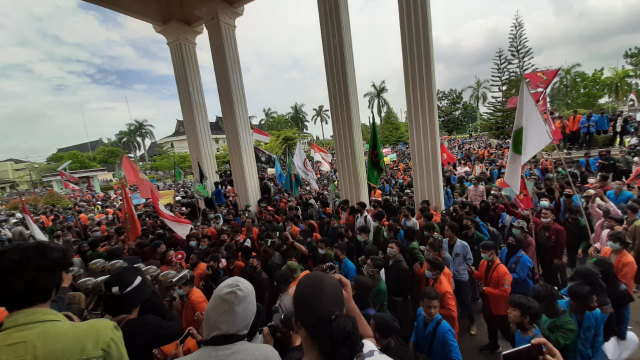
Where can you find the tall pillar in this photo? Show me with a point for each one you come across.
(343, 98)
(420, 89)
(181, 39)
(220, 21)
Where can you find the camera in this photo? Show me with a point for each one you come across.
(329, 268)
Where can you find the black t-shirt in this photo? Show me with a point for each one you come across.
(145, 333)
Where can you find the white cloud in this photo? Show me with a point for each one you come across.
(61, 56)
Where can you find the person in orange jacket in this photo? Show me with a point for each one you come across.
(448, 306)
(195, 303)
(496, 287)
(624, 265)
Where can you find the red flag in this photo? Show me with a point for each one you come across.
(31, 224)
(180, 226)
(446, 157)
(556, 134)
(523, 200)
(132, 224)
(541, 79)
(64, 175)
(261, 135)
(72, 187)
(512, 102)
(135, 177)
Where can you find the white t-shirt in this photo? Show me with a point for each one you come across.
(370, 352)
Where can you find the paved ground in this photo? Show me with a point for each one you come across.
(469, 344)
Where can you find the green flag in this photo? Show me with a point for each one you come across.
(375, 160)
(178, 173)
(202, 187)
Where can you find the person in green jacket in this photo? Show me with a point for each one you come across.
(556, 325)
(372, 269)
(32, 274)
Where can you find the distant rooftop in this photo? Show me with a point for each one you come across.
(15, 161)
(215, 127)
(83, 147)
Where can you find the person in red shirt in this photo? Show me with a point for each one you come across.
(195, 303)
(495, 290)
(551, 241)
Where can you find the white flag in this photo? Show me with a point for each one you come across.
(321, 155)
(530, 136)
(303, 165)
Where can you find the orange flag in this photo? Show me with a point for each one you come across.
(136, 177)
(131, 223)
(447, 157)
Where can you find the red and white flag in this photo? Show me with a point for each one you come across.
(31, 224)
(72, 187)
(64, 175)
(321, 155)
(261, 135)
(180, 226)
(633, 100)
(136, 177)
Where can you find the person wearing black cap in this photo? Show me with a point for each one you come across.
(556, 325)
(125, 291)
(328, 320)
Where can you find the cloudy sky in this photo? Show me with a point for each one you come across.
(63, 58)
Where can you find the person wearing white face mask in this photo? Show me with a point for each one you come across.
(372, 269)
(551, 241)
(624, 264)
(448, 306)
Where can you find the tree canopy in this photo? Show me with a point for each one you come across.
(392, 130)
(79, 161)
(454, 113)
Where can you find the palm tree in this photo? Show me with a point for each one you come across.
(322, 114)
(376, 97)
(479, 93)
(298, 117)
(144, 132)
(566, 81)
(268, 114)
(128, 140)
(618, 84)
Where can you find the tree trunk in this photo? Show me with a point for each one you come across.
(322, 127)
(144, 148)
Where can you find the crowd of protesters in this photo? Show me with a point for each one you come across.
(316, 277)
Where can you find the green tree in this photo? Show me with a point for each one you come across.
(589, 91)
(278, 123)
(618, 85)
(376, 100)
(164, 162)
(79, 161)
(222, 158)
(268, 114)
(562, 92)
(392, 130)
(320, 114)
(106, 155)
(479, 94)
(454, 113)
(144, 132)
(283, 142)
(499, 118)
(519, 49)
(128, 140)
(298, 117)
(632, 59)
(366, 131)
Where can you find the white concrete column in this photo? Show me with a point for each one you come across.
(343, 98)
(219, 19)
(181, 39)
(420, 89)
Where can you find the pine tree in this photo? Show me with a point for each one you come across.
(500, 119)
(519, 50)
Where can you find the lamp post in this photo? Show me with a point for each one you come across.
(173, 151)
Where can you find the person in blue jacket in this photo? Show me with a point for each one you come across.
(519, 264)
(591, 161)
(602, 123)
(619, 196)
(346, 267)
(583, 309)
(432, 336)
(448, 197)
(587, 129)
